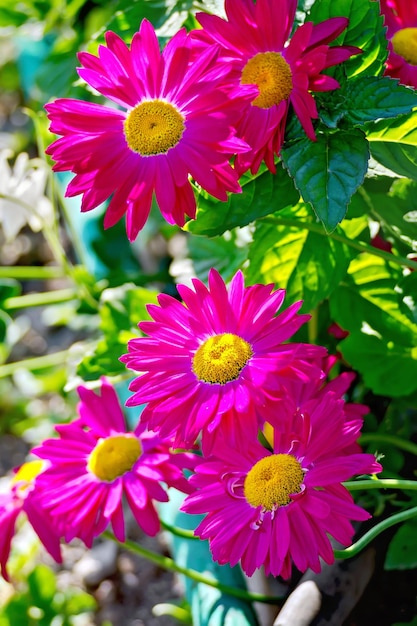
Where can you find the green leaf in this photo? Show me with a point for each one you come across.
(397, 210)
(42, 586)
(9, 288)
(56, 73)
(382, 339)
(11, 17)
(407, 290)
(226, 254)
(121, 309)
(388, 369)
(103, 360)
(16, 611)
(261, 195)
(328, 171)
(369, 98)
(167, 18)
(308, 265)
(394, 144)
(402, 550)
(77, 602)
(365, 30)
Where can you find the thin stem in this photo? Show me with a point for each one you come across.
(169, 564)
(40, 299)
(312, 326)
(31, 272)
(381, 483)
(409, 446)
(359, 545)
(357, 245)
(179, 532)
(34, 363)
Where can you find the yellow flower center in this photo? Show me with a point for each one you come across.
(114, 456)
(272, 75)
(404, 43)
(153, 127)
(221, 358)
(27, 473)
(272, 480)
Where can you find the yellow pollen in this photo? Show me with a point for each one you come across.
(272, 480)
(27, 473)
(153, 127)
(114, 456)
(404, 43)
(272, 75)
(221, 358)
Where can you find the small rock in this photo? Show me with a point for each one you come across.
(97, 564)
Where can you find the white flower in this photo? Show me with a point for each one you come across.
(22, 194)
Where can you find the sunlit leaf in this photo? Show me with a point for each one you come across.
(261, 195)
(307, 264)
(328, 171)
(382, 339)
(369, 98)
(394, 144)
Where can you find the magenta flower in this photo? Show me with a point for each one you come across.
(176, 121)
(274, 508)
(400, 17)
(254, 46)
(22, 498)
(318, 397)
(217, 358)
(96, 462)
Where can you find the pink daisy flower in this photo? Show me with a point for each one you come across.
(274, 508)
(254, 39)
(319, 397)
(217, 358)
(96, 462)
(176, 121)
(21, 498)
(401, 20)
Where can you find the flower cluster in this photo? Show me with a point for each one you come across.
(76, 486)
(216, 372)
(210, 96)
(217, 367)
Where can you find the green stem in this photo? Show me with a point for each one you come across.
(31, 272)
(313, 326)
(357, 245)
(409, 446)
(357, 547)
(40, 299)
(179, 532)
(34, 363)
(381, 483)
(169, 564)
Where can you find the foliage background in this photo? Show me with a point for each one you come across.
(336, 227)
